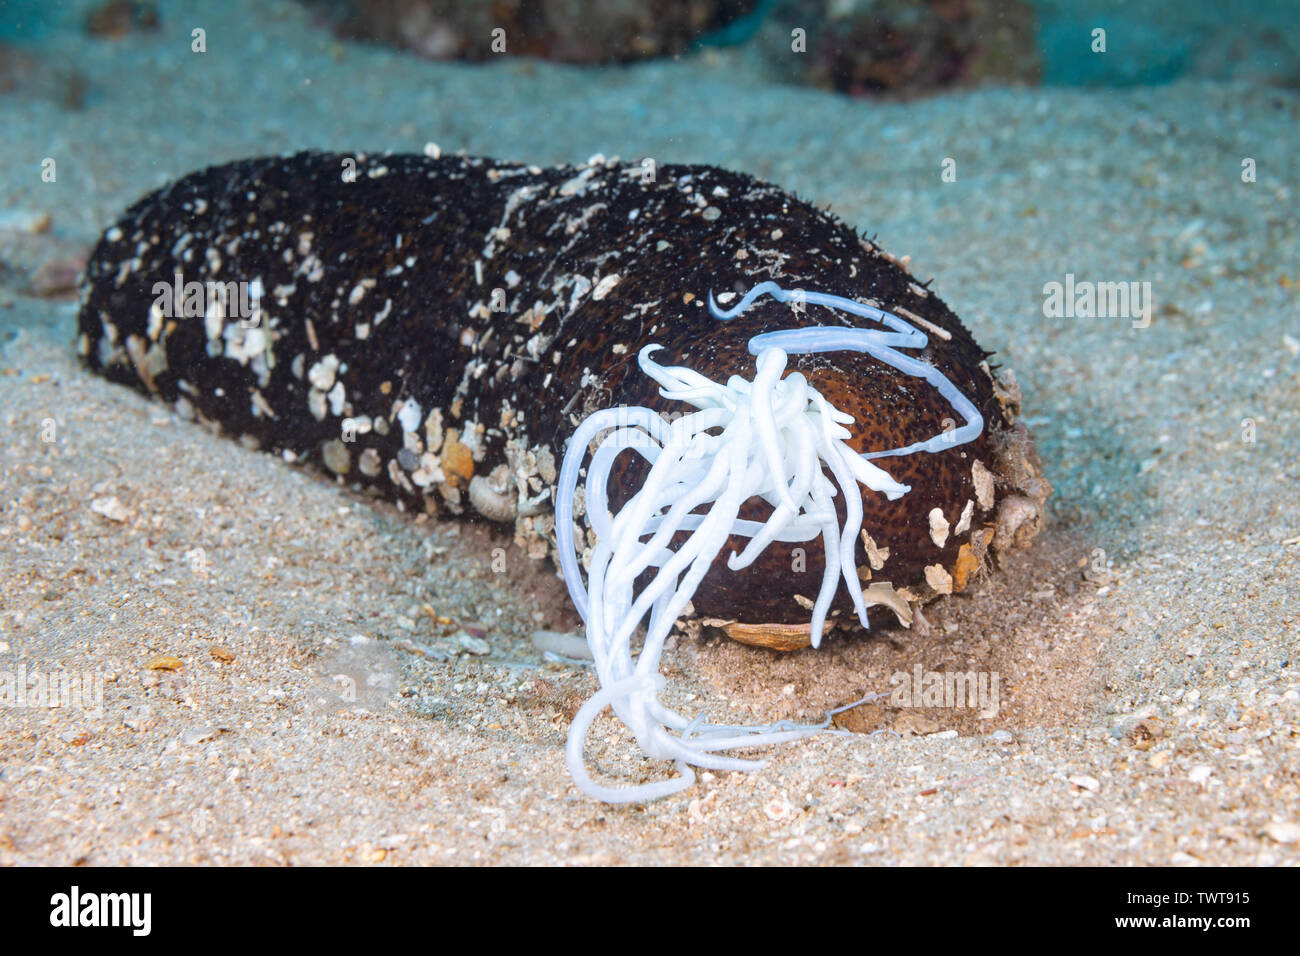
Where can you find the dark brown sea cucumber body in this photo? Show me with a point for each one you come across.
(510, 301)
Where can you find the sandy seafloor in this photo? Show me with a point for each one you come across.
(254, 754)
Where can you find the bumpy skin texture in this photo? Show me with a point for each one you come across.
(393, 275)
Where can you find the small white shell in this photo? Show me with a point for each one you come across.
(491, 500)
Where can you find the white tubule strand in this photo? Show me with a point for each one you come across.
(776, 437)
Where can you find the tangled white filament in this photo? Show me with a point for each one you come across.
(771, 438)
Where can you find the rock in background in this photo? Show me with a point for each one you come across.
(570, 31)
(860, 47)
(867, 47)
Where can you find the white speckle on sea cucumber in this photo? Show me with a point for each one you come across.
(983, 479)
(938, 578)
(155, 322)
(964, 522)
(876, 556)
(369, 463)
(254, 341)
(359, 290)
(433, 430)
(214, 317)
(316, 404)
(938, 527)
(321, 375)
(397, 476)
(605, 286)
(429, 472)
(410, 417)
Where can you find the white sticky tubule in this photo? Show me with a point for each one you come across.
(778, 438)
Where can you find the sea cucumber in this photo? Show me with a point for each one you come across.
(436, 328)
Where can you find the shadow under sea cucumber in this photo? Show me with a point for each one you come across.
(436, 328)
